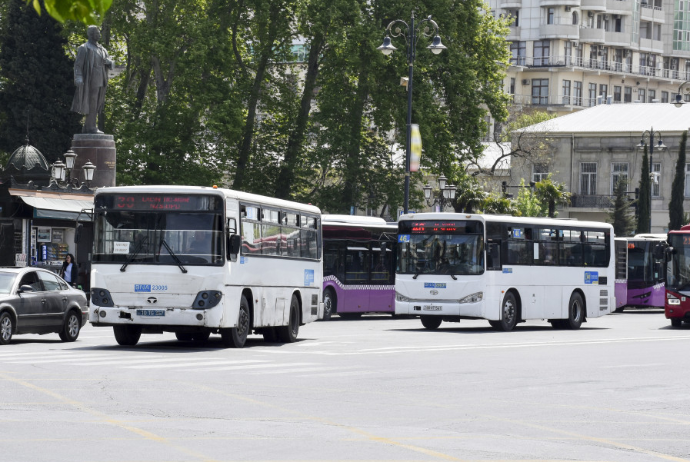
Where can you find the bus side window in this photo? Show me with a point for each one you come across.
(493, 256)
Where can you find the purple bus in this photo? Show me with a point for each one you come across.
(639, 278)
(359, 265)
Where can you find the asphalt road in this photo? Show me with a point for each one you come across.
(376, 389)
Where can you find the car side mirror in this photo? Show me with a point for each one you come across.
(26, 288)
(234, 243)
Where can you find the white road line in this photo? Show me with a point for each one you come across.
(340, 374)
(254, 366)
(220, 362)
(299, 369)
(58, 360)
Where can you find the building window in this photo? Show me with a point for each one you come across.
(627, 95)
(619, 172)
(550, 13)
(651, 96)
(604, 91)
(518, 51)
(542, 51)
(656, 186)
(588, 178)
(516, 17)
(592, 99)
(664, 97)
(575, 19)
(540, 172)
(616, 94)
(512, 85)
(641, 95)
(568, 53)
(566, 92)
(540, 91)
(577, 96)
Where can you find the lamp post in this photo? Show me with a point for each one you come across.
(679, 96)
(446, 196)
(411, 35)
(88, 168)
(652, 176)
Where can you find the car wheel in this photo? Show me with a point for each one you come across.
(431, 322)
(235, 337)
(6, 328)
(509, 314)
(288, 334)
(576, 312)
(127, 335)
(70, 330)
(329, 304)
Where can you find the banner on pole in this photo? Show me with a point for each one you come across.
(415, 147)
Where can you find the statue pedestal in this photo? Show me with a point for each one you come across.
(100, 150)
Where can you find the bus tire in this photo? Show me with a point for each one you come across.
(200, 337)
(330, 304)
(6, 328)
(183, 336)
(269, 334)
(576, 312)
(431, 322)
(676, 322)
(127, 335)
(288, 334)
(509, 313)
(235, 337)
(557, 323)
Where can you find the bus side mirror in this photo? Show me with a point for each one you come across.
(234, 243)
(659, 251)
(77, 233)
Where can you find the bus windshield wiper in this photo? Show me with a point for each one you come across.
(134, 254)
(172, 254)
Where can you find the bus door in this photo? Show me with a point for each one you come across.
(357, 269)
(381, 298)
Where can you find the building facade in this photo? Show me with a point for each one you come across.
(572, 54)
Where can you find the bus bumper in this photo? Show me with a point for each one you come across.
(440, 308)
(111, 316)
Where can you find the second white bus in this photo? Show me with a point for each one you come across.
(197, 261)
(503, 269)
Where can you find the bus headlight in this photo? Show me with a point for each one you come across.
(472, 298)
(673, 301)
(207, 299)
(401, 298)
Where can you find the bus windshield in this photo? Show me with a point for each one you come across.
(441, 248)
(678, 269)
(190, 234)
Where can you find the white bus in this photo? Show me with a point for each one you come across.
(504, 269)
(197, 261)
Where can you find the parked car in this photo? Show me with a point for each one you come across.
(37, 301)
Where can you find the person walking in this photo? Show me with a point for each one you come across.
(69, 271)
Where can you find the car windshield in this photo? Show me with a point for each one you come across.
(678, 270)
(6, 281)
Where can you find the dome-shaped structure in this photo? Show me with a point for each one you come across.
(27, 164)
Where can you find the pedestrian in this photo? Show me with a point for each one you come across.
(69, 271)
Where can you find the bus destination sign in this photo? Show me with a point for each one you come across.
(158, 202)
(436, 227)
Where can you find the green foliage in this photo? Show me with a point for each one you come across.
(644, 202)
(36, 83)
(85, 11)
(620, 215)
(675, 206)
(551, 194)
(498, 205)
(528, 204)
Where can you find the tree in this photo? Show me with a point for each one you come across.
(644, 202)
(551, 194)
(36, 83)
(528, 204)
(619, 214)
(675, 206)
(85, 11)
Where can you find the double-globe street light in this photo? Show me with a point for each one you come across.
(445, 196)
(652, 175)
(411, 35)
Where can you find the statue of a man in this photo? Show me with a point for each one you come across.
(91, 79)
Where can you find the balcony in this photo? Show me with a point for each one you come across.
(591, 201)
(575, 3)
(593, 5)
(620, 39)
(513, 33)
(564, 30)
(588, 35)
(510, 4)
(619, 7)
(648, 12)
(654, 46)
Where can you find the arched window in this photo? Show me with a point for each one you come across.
(575, 18)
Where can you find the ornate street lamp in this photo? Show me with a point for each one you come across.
(652, 175)
(88, 169)
(446, 196)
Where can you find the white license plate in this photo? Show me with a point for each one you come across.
(431, 308)
(150, 312)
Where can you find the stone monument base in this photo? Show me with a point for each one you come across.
(100, 150)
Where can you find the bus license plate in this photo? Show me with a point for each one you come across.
(431, 308)
(150, 312)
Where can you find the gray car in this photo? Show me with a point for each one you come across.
(37, 301)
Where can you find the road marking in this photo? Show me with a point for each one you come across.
(220, 362)
(251, 366)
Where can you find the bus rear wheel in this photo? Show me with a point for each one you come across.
(127, 335)
(288, 334)
(330, 304)
(235, 337)
(431, 322)
(509, 314)
(576, 312)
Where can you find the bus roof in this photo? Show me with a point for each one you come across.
(227, 193)
(541, 221)
(360, 220)
(682, 230)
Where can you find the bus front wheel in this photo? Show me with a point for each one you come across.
(509, 314)
(288, 334)
(676, 322)
(431, 322)
(127, 335)
(329, 304)
(576, 311)
(235, 337)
